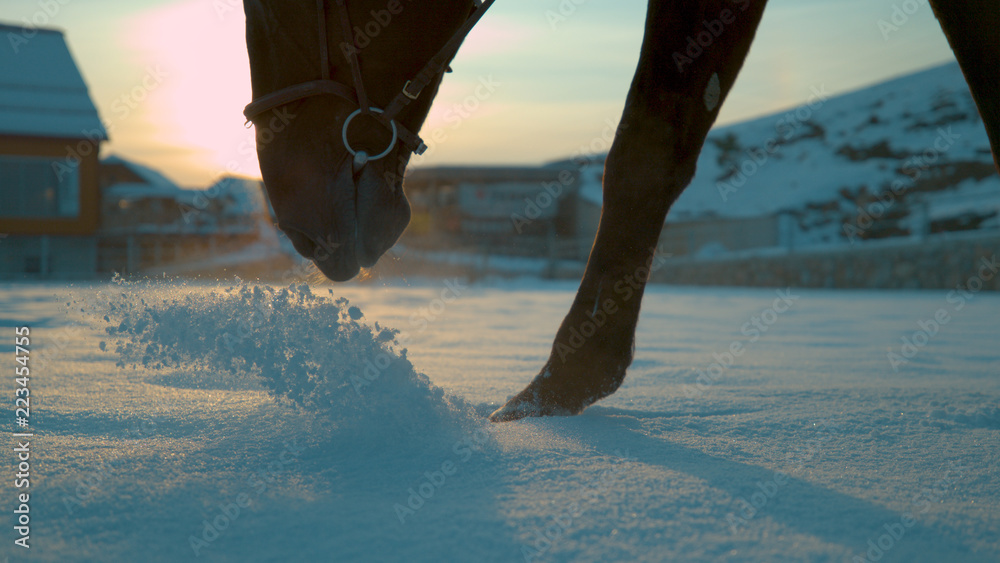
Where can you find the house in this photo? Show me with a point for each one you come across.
(65, 214)
(148, 221)
(50, 136)
(137, 199)
(509, 209)
(143, 219)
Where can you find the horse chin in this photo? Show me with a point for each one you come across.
(340, 271)
(335, 260)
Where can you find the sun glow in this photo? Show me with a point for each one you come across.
(199, 47)
(526, 88)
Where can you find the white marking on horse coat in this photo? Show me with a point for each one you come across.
(712, 92)
(597, 301)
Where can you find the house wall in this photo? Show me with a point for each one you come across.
(87, 221)
(47, 257)
(501, 207)
(588, 217)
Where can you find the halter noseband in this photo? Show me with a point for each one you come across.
(356, 95)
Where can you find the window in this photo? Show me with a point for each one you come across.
(38, 187)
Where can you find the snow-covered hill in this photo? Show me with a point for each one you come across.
(911, 153)
(905, 156)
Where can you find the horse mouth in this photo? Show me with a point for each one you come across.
(336, 260)
(359, 229)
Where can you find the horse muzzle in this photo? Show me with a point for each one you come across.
(365, 214)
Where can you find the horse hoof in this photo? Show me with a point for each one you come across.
(530, 402)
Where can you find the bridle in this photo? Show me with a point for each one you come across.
(356, 95)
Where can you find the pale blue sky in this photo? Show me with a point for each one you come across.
(171, 77)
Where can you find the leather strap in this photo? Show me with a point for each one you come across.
(437, 64)
(352, 57)
(324, 48)
(298, 92)
(357, 95)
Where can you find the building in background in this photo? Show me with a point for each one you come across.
(50, 136)
(501, 209)
(66, 214)
(148, 222)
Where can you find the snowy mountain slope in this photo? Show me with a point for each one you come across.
(911, 138)
(897, 158)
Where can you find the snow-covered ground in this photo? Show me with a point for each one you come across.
(806, 446)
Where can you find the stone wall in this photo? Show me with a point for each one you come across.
(937, 262)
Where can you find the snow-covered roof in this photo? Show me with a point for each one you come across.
(42, 92)
(154, 184)
(246, 196)
(133, 191)
(591, 189)
(150, 177)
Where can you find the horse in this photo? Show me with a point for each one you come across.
(339, 90)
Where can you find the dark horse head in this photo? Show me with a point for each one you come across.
(336, 189)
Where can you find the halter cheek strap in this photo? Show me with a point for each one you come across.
(357, 95)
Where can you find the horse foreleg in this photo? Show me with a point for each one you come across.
(973, 31)
(691, 54)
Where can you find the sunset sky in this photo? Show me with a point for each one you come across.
(170, 78)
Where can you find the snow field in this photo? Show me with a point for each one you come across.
(250, 423)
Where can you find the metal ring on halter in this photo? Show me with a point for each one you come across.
(353, 152)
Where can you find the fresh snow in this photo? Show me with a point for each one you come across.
(233, 422)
